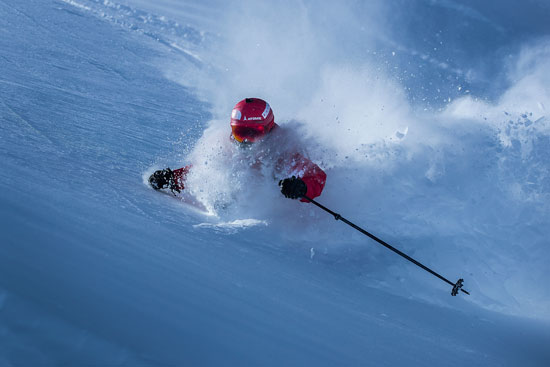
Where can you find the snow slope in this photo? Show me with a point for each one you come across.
(442, 149)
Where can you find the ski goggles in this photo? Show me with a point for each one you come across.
(249, 133)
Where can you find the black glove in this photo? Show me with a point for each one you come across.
(293, 188)
(163, 179)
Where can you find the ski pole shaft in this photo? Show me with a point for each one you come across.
(456, 286)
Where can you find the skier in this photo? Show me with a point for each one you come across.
(252, 124)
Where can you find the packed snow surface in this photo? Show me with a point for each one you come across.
(430, 119)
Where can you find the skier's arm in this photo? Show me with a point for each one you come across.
(310, 173)
(180, 175)
(314, 179)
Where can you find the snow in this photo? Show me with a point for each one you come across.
(448, 164)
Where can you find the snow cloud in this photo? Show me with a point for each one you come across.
(455, 183)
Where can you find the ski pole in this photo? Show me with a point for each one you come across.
(456, 286)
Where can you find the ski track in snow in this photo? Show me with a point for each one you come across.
(147, 24)
(96, 268)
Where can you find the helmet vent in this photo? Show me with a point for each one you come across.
(249, 100)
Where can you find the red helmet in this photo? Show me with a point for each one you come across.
(251, 120)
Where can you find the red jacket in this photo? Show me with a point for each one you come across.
(313, 176)
(298, 165)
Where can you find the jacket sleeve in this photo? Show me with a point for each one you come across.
(180, 175)
(313, 176)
